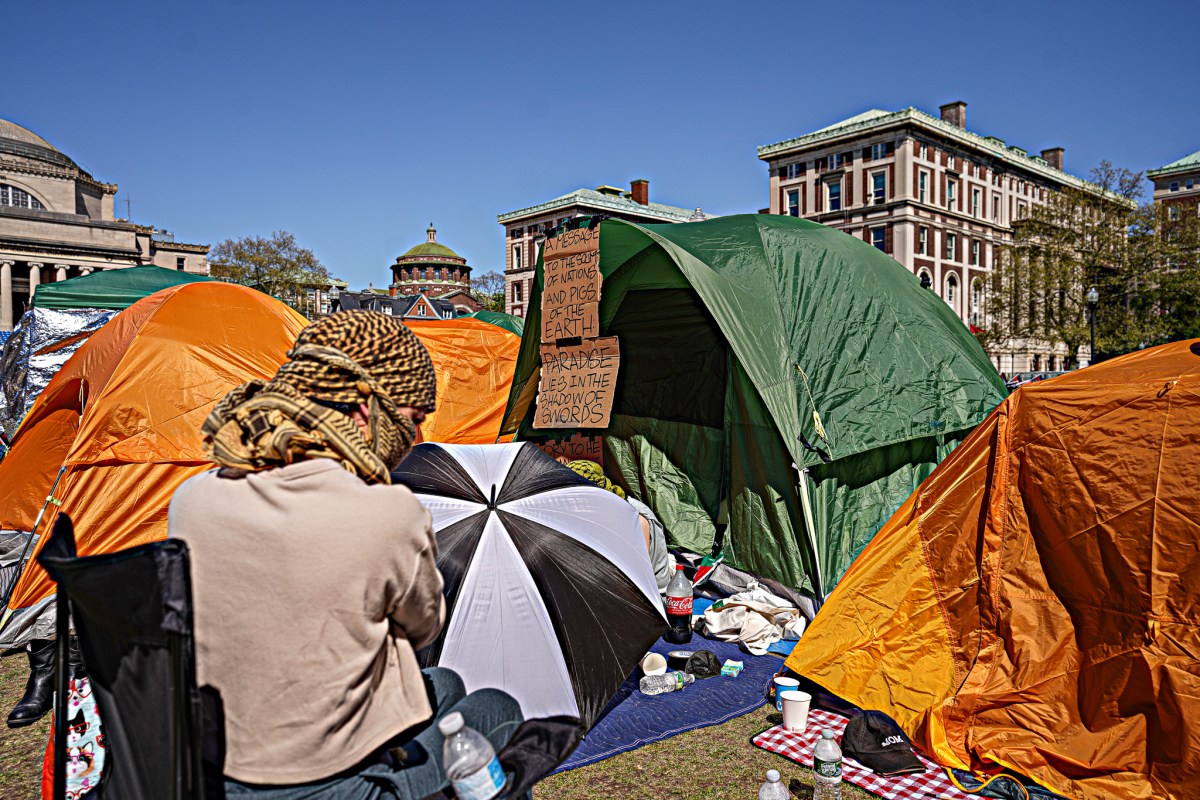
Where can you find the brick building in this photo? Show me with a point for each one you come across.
(1177, 185)
(525, 229)
(57, 222)
(935, 196)
(430, 268)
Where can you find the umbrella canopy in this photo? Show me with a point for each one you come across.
(1034, 603)
(550, 594)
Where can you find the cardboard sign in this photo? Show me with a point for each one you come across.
(571, 288)
(578, 384)
(576, 447)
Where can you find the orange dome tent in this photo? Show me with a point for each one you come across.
(474, 361)
(121, 420)
(1036, 603)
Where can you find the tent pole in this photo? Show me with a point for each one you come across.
(806, 504)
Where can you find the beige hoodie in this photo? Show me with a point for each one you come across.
(312, 589)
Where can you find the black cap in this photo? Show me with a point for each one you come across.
(703, 664)
(874, 740)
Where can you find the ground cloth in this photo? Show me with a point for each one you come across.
(632, 720)
(799, 746)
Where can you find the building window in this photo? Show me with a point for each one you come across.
(922, 185)
(952, 291)
(923, 241)
(878, 151)
(878, 187)
(180, 263)
(996, 208)
(926, 278)
(835, 161)
(421, 310)
(517, 291)
(387, 309)
(975, 252)
(976, 302)
(879, 239)
(924, 151)
(1021, 209)
(949, 161)
(517, 257)
(1189, 183)
(1173, 213)
(951, 245)
(1174, 186)
(795, 170)
(793, 203)
(18, 198)
(951, 185)
(833, 196)
(975, 195)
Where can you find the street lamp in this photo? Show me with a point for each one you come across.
(1093, 297)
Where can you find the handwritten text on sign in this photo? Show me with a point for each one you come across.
(571, 291)
(576, 447)
(578, 384)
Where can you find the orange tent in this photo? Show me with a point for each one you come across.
(474, 361)
(122, 419)
(1036, 603)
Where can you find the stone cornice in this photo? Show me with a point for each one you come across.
(586, 198)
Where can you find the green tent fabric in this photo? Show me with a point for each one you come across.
(111, 288)
(751, 345)
(510, 322)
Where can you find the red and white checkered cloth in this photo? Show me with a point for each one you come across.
(932, 783)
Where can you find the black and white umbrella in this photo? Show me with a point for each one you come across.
(549, 590)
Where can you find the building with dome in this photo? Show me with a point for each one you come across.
(57, 222)
(436, 271)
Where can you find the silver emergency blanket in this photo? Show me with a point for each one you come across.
(40, 344)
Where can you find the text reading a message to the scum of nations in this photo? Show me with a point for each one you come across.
(571, 294)
(578, 384)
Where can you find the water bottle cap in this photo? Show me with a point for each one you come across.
(827, 734)
(451, 724)
(772, 776)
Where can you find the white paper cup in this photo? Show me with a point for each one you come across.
(795, 709)
(654, 664)
(783, 685)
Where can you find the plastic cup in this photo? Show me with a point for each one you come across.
(654, 664)
(784, 685)
(795, 709)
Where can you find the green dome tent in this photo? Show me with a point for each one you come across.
(751, 345)
(510, 323)
(114, 289)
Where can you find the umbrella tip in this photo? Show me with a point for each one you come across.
(492, 502)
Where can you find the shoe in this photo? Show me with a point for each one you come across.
(75, 666)
(39, 691)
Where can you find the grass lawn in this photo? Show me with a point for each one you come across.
(716, 763)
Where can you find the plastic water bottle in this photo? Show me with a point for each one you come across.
(667, 682)
(469, 760)
(773, 789)
(827, 768)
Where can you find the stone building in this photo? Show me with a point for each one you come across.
(525, 229)
(935, 196)
(57, 222)
(431, 269)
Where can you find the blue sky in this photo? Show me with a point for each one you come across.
(355, 124)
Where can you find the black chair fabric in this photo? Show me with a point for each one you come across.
(133, 614)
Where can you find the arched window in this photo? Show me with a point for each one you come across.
(12, 196)
(952, 291)
(926, 278)
(977, 302)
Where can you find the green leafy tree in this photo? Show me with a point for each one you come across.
(488, 289)
(277, 266)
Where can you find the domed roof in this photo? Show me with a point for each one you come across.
(429, 248)
(11, 130)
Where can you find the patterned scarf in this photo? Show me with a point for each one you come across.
(376, 362)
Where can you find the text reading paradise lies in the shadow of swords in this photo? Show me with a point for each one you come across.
(578, 384)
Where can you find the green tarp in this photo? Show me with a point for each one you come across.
(510, 323)
(754, 344)
(111, 288)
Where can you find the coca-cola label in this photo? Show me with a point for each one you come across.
(828, 769)
(679, 606)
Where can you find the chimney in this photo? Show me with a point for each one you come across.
(640, 191)
(1054, 157)
(955, 113)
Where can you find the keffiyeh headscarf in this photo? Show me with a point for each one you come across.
(338, 363)
(593, 472)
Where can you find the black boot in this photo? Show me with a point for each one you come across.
(39, 691)
(75, 667)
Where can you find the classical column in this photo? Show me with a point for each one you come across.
(6, 298)
(60, 272)
(85, 270)
(35, 277)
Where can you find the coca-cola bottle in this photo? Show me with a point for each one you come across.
(679, 608)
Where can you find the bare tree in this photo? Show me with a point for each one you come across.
(488, 289)
(277, 266)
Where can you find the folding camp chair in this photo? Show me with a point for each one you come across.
(133, 615)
